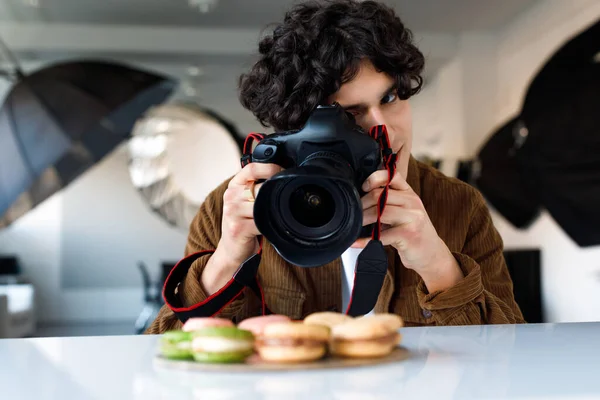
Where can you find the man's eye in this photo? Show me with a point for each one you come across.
(389, 98)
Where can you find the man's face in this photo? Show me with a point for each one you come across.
(371, 97)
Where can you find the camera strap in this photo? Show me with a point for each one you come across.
(245, 276)
(247, 153)
(369, 273)
(371, 263)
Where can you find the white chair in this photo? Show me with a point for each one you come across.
(17, 311)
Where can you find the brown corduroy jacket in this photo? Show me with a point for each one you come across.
(461, 218)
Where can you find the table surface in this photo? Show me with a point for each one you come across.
(539, 361)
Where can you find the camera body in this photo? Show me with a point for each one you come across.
(311, 212)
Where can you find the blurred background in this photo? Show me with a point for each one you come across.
(85, 246)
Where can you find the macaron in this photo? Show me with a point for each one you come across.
(293, 342)
(327, 318)
(364, 337)
(194, 324)
(257, 325)
(222, 344)
(393, 321)
(176, 345)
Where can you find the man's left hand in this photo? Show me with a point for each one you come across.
(407, 227)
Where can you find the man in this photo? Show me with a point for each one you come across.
(446, 265)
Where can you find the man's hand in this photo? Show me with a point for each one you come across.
(238, 229)
(407, 227)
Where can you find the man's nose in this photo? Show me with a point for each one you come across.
(374, 117)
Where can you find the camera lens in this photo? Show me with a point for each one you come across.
(309, 214)
(312, 205)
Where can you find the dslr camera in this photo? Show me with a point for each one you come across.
(311, 212)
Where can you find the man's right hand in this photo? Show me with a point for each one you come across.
(238, 229)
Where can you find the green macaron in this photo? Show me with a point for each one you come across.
(222, 357)
(229, 332)
(222, 344)
(176, 345)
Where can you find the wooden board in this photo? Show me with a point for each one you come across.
(254, 363)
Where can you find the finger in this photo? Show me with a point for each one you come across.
(241, 228)
(375, 180)
(398, 216)
(240, 209)
(399, 183)
(392, 215)
(387, 238)
(255, 171)
(380, 178)
(394, 197)
(257, 189)
(236, 195)
(371, 198)
(369, 216)
(393, 237)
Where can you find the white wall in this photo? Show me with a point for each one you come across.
(438, 123)
(571, 279)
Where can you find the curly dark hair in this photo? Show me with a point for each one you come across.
(316, 49)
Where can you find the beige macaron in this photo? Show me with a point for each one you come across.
(293, 342)
(393, 321)
(327, 318)
(364, 337)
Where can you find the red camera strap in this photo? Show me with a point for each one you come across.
(247, 156)
(369, 273)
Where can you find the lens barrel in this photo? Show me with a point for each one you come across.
(310, 214)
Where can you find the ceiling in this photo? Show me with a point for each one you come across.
(448, 16)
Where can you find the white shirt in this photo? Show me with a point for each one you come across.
(348, 264)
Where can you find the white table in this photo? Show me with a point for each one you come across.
(486, 362)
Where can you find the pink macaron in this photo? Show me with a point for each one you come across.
(194, 324)
(257, 325)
